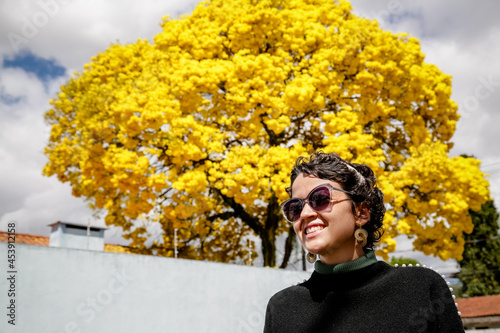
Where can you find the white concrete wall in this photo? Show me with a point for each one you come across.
(66, 290)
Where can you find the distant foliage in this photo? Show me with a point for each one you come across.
(198, 131)
(403, 261)
(480, 267)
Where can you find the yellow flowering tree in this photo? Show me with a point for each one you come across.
(198, 131)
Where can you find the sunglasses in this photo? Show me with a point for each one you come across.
(318, 199)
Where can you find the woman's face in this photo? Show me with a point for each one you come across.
(330, 232)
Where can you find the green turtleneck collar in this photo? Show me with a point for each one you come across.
(361, 262)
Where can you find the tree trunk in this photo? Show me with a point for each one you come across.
(268, 249)
(288, 247)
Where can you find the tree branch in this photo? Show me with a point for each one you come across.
(240, 212)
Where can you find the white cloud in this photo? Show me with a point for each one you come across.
(52, 203)
(77, 30)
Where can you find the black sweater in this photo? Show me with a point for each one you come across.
(377, 298)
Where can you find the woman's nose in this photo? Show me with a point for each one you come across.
(307, 212)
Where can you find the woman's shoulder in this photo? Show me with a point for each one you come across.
(418, 277)
(417, 272)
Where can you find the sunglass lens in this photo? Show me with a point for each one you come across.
(320, 198)
(293, 209)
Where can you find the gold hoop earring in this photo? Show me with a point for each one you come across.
(361, 236)
(311, 258)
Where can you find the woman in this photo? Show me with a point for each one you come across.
(337, 212)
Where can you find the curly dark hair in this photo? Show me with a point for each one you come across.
(357, 179)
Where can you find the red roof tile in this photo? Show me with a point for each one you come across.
(44, 241)
(479, 306)
(26, 239)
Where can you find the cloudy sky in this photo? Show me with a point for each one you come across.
(43, 42)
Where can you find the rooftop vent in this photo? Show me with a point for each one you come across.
(77, 236)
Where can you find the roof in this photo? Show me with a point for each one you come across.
(44, 241)
(479, 306)
(77, 224)
(26, 239)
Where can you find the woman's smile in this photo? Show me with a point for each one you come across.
(314, 228)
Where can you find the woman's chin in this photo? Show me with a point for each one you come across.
(328, 251)
(315, 248)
